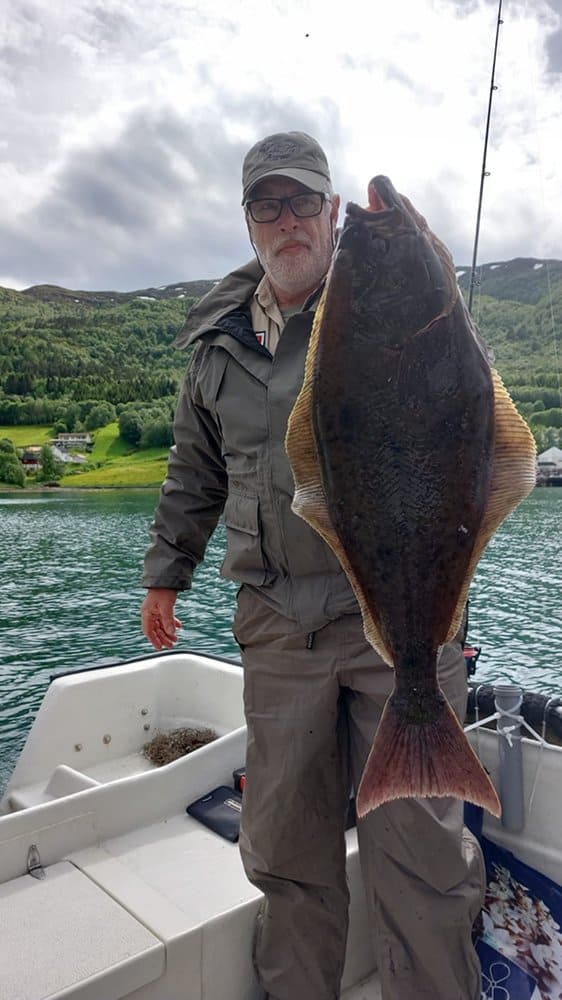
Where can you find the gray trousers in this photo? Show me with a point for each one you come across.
(311, 715)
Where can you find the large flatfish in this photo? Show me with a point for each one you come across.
(407, 453)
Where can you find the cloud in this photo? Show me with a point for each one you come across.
(160, 199)
(554, 52)
(126, 122)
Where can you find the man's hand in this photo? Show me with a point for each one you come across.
(157, 615)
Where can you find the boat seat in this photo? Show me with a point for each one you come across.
(187, 885)
(96, 948)
(64, 780)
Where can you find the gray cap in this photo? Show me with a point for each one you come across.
(287, 154)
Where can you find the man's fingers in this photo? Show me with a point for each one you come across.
(159, 623)
(159, 631)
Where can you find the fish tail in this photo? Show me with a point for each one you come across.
(410, 759)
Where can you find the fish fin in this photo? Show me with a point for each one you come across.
(309, 500)
(513, 478)
(408, 760)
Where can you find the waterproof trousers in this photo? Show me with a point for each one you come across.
(313, 702)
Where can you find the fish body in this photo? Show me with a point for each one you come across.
(407, 454)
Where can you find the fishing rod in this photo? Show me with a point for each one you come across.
(484, 172)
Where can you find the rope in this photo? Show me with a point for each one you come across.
(518, 721)
(508, 732)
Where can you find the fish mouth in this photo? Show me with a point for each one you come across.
(384, 203)
(386, 217)
(376, 202)
(383, 195)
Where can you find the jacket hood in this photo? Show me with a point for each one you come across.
(229, 294)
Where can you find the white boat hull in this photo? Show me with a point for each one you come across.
(140, 900)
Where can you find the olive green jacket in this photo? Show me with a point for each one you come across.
(229, 458)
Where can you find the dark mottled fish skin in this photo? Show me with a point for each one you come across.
(404, 423)
(407, 454)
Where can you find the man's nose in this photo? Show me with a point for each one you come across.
(287, 219)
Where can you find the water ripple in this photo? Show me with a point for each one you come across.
(71, 595)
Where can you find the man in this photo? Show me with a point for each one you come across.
(313, 688)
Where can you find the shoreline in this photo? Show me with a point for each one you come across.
(23, 490)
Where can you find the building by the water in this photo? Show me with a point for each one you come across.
(549, 468)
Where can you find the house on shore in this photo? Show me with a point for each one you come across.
(549, 467)
(72, 440)
(31, 457)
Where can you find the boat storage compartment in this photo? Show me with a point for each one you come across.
(92, 725)
(91, 947)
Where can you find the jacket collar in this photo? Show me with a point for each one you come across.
(229, 296)
(226, 307)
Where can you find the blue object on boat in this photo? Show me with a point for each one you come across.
(520, 939)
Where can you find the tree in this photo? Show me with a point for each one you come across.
(51, 469)
(100, 416)
(71, 417)
(157, 434)
(548, 418)
(11, 469)
(131, 426)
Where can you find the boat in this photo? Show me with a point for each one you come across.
(109, 889)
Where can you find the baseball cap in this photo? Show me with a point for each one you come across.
(288, 154)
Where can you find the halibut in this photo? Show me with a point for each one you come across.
(407, 454)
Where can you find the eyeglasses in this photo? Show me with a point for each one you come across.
(304, 206)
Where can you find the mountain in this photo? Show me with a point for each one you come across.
(60, 347)
(179, 290)
(524, 279)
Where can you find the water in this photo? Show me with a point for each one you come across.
(71, 564)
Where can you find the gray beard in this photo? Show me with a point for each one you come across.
(298, 275)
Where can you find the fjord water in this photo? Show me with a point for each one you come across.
(71, 564)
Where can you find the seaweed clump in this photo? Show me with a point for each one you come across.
(164, 748)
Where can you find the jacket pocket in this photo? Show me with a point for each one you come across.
(244, 557)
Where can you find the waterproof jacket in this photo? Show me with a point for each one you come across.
(229, 458)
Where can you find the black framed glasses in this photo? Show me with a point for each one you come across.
(304, 206)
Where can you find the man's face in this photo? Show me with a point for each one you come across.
(295, 253)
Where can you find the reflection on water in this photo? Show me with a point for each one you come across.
(70, 596)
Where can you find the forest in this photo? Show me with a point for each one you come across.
(78, 361)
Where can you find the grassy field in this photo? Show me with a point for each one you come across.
(108, 445)
(25, 436)
(143, 468)
(119, 465)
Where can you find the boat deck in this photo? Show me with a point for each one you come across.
(152, 907)
(150, 904)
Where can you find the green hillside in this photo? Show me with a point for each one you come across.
(518, 306)
(69, 349)
(105, 361)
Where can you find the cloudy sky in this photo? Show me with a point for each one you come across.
(123, 124)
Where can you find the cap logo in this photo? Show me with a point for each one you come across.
(277, 150)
